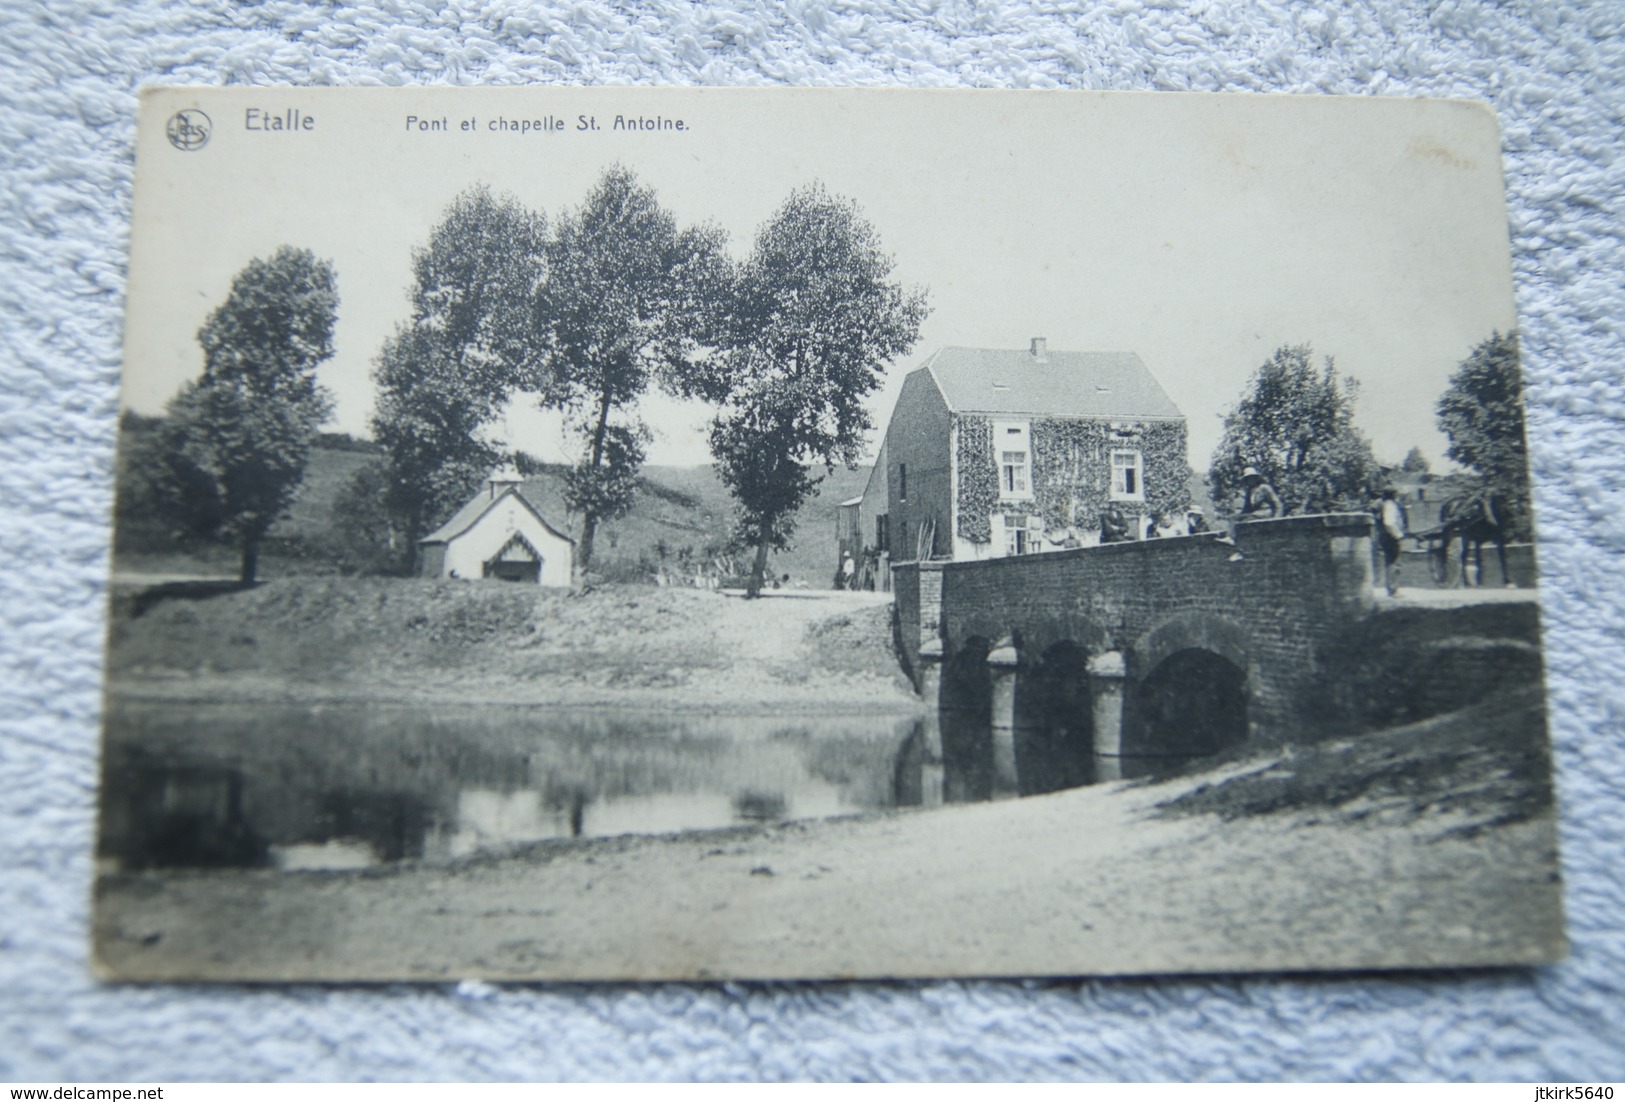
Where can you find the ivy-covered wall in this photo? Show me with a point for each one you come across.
(978, 479)
(1071, 473)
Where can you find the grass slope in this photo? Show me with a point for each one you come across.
(409, 638)
(1484, 766)
(678, 507)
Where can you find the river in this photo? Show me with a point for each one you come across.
(349, 786)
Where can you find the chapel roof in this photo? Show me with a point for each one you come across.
(477, 506)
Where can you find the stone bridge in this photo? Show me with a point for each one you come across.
(1060, 669)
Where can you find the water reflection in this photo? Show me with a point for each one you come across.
(328, 787)
(1033, 730)
(966, 718)
(180, 815)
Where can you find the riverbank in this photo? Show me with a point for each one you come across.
(1429, 845)
(632, 647)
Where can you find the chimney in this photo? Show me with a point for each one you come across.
(1040, 350)
(502, 478)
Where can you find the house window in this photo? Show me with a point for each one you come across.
(1013, 474)
(1127, 479)
(1023, 535)
(902, 481)
(1012, 447)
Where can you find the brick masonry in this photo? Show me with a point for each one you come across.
(1296, 614)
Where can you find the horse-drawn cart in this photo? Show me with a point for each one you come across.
(1473, 519)
(1443, 569)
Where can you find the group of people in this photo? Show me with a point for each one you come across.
(1166, 525)
(867, 575)
(1115, 527)
(1259, 501)
(696, 578)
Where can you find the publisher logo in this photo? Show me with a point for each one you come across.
(189, 129)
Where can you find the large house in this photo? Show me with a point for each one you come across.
(993, 452)
(499, 534)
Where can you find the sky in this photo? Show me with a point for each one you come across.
(1200, 231)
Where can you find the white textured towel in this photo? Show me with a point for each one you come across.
(67, 110)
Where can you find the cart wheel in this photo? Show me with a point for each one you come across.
(1443, 568)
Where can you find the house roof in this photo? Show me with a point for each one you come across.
(469, 515)
(1063, 384)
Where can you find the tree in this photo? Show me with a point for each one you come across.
(446, 373)
(815, 321)
(1296, 425)
(1415, 462)
(231, 452)
(1481, 411)
(629, 299)
(362, 536)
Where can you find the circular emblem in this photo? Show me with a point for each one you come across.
(188, 129)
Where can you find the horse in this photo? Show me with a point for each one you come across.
(1476, 519)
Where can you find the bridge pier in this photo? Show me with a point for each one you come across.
(1003, 661)
(1108, 674)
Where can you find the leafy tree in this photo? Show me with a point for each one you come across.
(815, 321)
(230, 454)
(362, 536)
(1296, 425)
(1415, 462)
(446, 373)
(1482, 413)
(629, 299)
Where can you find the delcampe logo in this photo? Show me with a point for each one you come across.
(188, 129)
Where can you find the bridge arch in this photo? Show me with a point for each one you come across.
(1193, 631)
(1191, 697)
(1042, 635)
(1193, 705)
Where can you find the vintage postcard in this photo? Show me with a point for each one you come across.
(619, 533)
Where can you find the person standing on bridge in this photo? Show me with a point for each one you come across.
(1392, 526)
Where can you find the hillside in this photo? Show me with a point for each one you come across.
(689, 506)
(678, 509)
